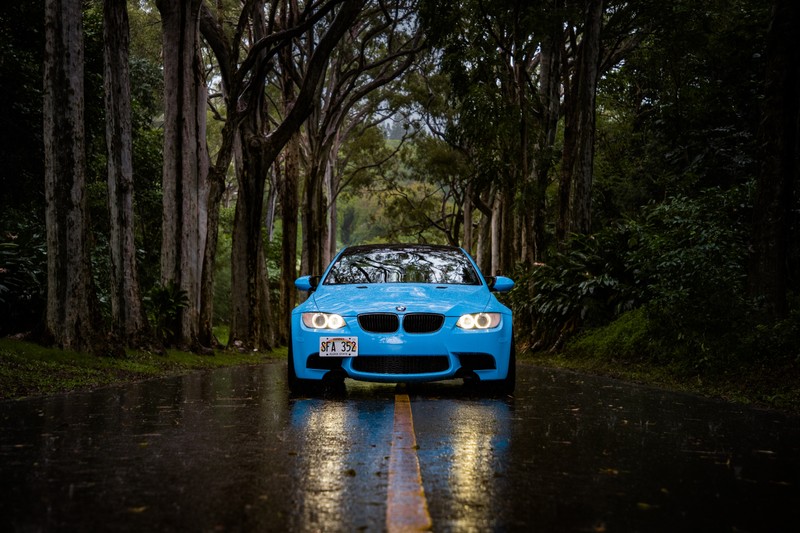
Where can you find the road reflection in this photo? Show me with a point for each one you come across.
(190, 453)
(341, 462)
(463, 451)
(325, 443)
(231, 451)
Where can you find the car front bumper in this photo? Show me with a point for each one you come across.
(398, 357)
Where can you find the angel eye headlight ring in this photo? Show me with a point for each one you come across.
(479, 321)
(323, 321)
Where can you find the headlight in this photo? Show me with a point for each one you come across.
(323, 321)
(479, 321)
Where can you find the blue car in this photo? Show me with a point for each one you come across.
(402, 313)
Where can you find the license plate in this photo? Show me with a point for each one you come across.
(338, 346)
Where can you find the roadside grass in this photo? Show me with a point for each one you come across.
(761, 386)
(626, 349)
(27, 369)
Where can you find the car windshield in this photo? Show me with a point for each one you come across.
(413, 264)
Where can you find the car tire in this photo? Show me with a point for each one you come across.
(508, 385)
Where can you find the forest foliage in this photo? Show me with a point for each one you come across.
(615, 158)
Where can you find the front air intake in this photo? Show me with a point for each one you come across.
(401, 365)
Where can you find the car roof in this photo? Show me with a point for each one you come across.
(411, 247)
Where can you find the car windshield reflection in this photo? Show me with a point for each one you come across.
(399, 264)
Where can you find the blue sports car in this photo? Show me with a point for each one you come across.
(402, 313)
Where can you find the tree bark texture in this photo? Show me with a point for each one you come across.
(776, 191)
(71, 316)
(186, 164)
(549, 108)
(213, 31)
(129, 323)
(251, 324)
(467, 242)
(314, 218)
(288, 188)
(575, 188)
(289, 212)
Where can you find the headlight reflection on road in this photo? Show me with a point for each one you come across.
(339, 481)
(323, 467)
(478, 458)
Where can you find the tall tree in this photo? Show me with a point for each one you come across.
(780, 171)
(251, 324)
(580, 84)
(127, 313)
(289, 185)
(504, 62)
(264, 134)
(379, 47)
(185, 180)
(71, 319)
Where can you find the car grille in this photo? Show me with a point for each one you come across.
(379, 322)
(389, 323)
(422, 323)
(405, 365)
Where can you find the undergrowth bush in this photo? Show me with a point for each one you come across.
(23, 273)
(625, 339)
(681, 265)
(585, 286)
(163, 304)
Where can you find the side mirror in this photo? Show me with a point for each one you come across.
(500, 284)
(307, 283)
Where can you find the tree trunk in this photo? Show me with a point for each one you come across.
(333, 215)
(71, 318)
(244, 83)
(467, 242)
(288, 187)
(251, 324)
(289, 212)
(127, 313)
(185, 180)
(496, 235)
(212, 30)
(777, 181)
(549, 104)
(484, 255)
(579, 129)
(216, 191)
(314, 217)
(251, 321)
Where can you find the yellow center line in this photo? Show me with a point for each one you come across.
(407, 509)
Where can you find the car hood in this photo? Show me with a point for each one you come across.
(352, 300)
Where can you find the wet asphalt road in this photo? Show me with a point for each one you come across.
(230, 451)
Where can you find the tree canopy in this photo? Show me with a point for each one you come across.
(634, 165)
